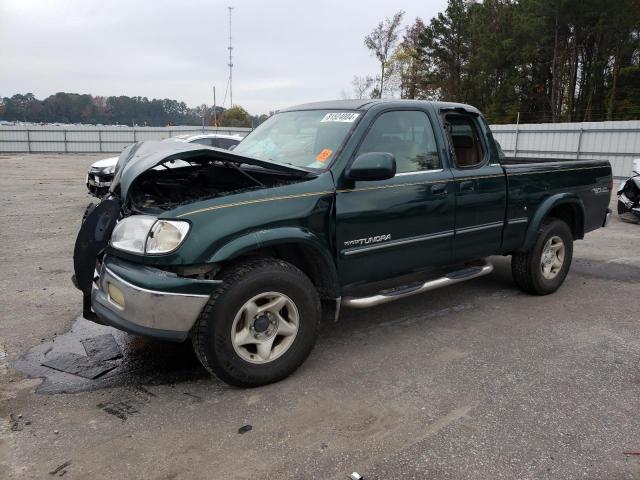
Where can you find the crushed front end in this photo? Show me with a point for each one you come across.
(629, 198)
(148, 301)
(128, 260)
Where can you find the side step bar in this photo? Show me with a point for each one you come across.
(404, 291)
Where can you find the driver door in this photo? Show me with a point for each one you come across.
(388, 228)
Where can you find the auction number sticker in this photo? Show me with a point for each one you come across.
(348, 117)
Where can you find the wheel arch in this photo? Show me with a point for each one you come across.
(298, 246)
(566, 207)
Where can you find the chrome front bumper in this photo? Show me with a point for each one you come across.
(138, 309)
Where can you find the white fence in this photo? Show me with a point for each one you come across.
(88, 139)
(618, 142)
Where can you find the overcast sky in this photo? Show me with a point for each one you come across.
(285, 51)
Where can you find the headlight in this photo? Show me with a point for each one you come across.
(166, 236)
(131, 233)
(108, 170)
(146, 234)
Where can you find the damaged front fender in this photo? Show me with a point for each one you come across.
(92, 239)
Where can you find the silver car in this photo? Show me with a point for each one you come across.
(100, 174)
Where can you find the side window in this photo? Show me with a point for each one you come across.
(408, 136)
(465, 140)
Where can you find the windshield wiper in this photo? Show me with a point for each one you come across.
(306, 169)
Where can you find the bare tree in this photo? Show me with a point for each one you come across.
(362, 86)
(382, 41)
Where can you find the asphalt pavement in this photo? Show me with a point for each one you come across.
(477, 381)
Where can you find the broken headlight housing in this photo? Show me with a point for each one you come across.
(145, 234)
(166, 235)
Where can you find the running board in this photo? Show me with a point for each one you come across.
(404, 291)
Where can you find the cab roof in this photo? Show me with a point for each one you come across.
(367, 103)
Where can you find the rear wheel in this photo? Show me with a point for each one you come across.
(542, 269)
(260, 324)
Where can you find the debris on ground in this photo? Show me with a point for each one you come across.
(123, 407)
(102, 347)
(355, 476)
(87, 367)
(16, 423)
(60, 470)
(121, 410)
(245, 429)
(196, 398)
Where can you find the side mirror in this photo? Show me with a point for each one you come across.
(372, 166)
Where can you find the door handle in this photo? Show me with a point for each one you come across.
(439, 189)
(467, 186)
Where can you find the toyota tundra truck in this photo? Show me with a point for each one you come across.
(326, 205)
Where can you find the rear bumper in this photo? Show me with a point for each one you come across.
(147, 301)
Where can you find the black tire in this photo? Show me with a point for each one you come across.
(526, 267)
(622, 208)
(211, 337)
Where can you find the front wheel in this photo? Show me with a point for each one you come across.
(260, 324)
(542, 269)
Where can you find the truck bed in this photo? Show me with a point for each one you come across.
(533, 181)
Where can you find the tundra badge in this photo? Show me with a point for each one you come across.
(369, 240)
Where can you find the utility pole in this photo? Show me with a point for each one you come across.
(230, 62)
(215, 115)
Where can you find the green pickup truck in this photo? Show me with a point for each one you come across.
(326, 205)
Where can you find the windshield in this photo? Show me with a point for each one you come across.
(306, 138)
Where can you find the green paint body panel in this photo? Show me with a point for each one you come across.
(368, 231)
(156, 280)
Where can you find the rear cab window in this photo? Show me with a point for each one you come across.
(465, 141)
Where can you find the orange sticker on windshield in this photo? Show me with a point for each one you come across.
(323, 155)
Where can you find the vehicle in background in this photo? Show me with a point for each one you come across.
(629, 194)
(351, 203)
(100, 174)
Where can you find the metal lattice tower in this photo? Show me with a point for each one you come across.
(230, 62)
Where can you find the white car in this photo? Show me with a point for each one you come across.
(100, 174)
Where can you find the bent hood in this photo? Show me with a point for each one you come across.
(140, 157)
